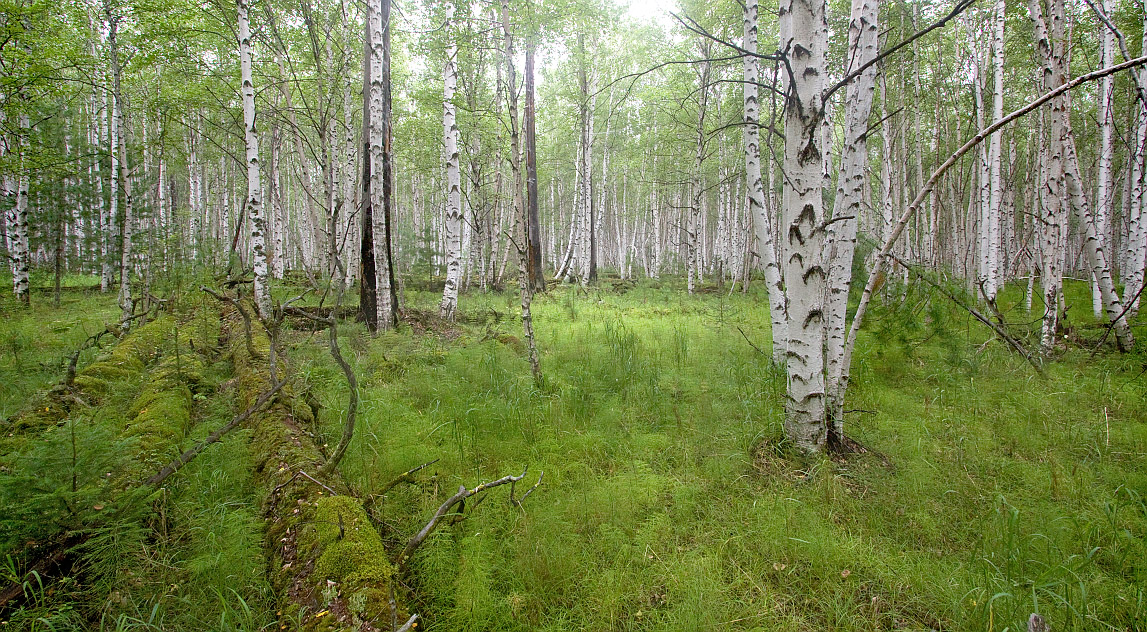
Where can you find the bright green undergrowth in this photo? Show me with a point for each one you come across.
(36, 343)
(670, 501)
(185, 557)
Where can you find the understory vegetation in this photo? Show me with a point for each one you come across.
(979, 492)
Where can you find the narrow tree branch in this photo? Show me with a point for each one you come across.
(960, 7)
(999, 329)
(885, 252)
(444, 510)
(1111, 325)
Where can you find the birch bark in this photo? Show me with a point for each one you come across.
(18, 218)
(1104, 185)
(995, 155)
(453, 189)
(693, 225)
(1051, 47)
(120, 171)
(254, 200)
(1053, 215)
(804, 37)
(863, 33)
(380, 182)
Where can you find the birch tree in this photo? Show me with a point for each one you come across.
(862, 47)
(380, 156)
(758, 210)
(451, 136)
(254, 201)
(1051, 48)
(120, 173)
(804, 40)
(520, 229)
(1104, 185)
(17, 218)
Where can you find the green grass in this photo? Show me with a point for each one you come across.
(670, 503)
(185, 557)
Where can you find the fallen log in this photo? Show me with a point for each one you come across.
(325, 560)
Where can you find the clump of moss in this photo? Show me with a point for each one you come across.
(127, 359)
(350, 549)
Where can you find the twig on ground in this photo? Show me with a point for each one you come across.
(444, 510)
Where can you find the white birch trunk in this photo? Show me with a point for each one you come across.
(693, 226)
(1052, 214)
(379, 27)
(758, 209)
(803, 33)
(862, 46)
(18, 218)
(120, 172)
(993, 273)
(1104, 185)
(254, 201)
(451, 136)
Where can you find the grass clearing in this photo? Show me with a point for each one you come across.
(670, 501)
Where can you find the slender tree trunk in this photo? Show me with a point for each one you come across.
(758, 209)
(368, 290)
(994, 273)
(696, 217)
(18, 218)
(120, 169)
(519, 205)
(380, 158)
(1105, 190)
(1051, 46)
(453, 189)
(863, 33)
(254, 200)
(1054, 224)
(537, 273)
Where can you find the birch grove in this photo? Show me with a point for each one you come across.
(738, 148)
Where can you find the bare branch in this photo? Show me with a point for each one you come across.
(960, 7)
(456, 499)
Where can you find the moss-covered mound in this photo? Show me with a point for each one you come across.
(119, 368)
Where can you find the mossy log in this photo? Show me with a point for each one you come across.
(158, 419)
(123, 362)
(161, 414)
(325, 559)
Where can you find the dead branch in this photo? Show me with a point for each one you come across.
(998, 328)
(409, 625)
(755, 347)
(405, 477)
(1111, 325)
(93, 341)
(242, 312)
(331, 322)
(458, 498)
(190, 454)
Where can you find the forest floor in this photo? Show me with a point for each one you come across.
(670, 501)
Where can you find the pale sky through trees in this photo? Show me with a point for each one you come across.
(643, 10)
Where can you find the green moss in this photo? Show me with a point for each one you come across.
(351, 550)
